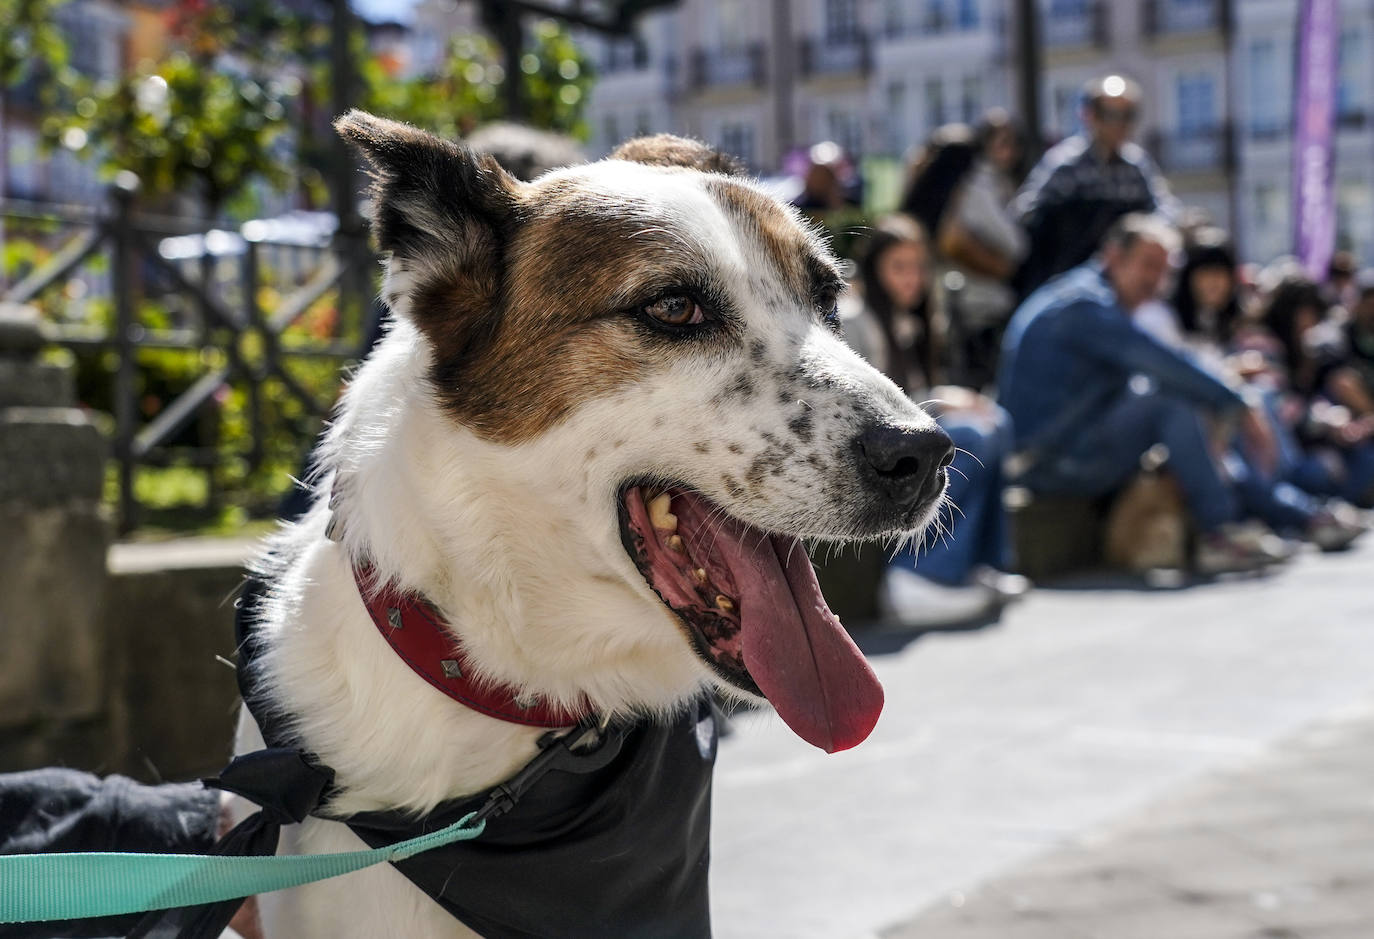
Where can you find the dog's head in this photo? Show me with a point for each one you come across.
(671, 330)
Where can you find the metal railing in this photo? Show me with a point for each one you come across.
(1088, 26)
(720, 68)
(1165, 17)
(624, 55)
(848, 55)
(936, 21)
(242, 344)
(1196, 150)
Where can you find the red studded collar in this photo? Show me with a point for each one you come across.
(418, 634)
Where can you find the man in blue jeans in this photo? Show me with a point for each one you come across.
(1089, 394)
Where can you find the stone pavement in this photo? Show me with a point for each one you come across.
(1082, 708)
(1282, 848)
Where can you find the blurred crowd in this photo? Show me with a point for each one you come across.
(1082, 335)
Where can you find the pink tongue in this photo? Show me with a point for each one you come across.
(794, 647)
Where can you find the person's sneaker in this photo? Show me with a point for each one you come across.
(1008, 588)
(1337, 528)
(913, 600)
(1259, 537)
(1236, 548)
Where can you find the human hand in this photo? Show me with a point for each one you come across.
(956, 398)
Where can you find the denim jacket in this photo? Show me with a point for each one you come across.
(1071, 346)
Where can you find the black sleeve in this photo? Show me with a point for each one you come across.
(61, 810)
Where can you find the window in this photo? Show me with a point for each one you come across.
(1268, 234)
(1351, 99)
(1068, 9)
(937, 15)
(1189, 15)
(894, 17)
(1197, 114)
(968, 14)
(1354, 217)
(935, 103)
(841, 20)
(896, 118)
(730, 25)
(845, 127)
(1268, 111)
(1065, 114)
(737, 138)
(971, 98)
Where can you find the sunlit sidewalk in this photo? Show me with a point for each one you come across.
(1007, 746)
(1282, 848)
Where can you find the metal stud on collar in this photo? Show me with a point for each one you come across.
(451, 668)
(393, 616)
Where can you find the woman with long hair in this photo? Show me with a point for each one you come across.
(1328, 405)
(959, 190)
(894, 322)
(1292, 494)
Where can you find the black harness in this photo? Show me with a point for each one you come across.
(607, 839)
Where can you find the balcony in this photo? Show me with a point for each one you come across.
(727, 68)
(840, 55)
(1198, 150)
(1177, 17)
(624, 55)
(1085, 27)
(934, 21)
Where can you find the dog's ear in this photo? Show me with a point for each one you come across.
(669, 150)
(434, 202)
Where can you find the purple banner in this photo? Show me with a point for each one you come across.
(1314, 125)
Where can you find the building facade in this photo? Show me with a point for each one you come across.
(1264, 41)
(762, 77)
(765, 78)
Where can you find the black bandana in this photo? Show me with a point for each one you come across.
(620, 848)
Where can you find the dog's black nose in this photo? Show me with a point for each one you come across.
(907, 462)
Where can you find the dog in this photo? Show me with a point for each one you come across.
(610, 403)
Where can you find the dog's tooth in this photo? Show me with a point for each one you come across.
(724, 603)
(699, 575)
(675, 544)
(660, 512)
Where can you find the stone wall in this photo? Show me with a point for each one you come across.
(103, 670)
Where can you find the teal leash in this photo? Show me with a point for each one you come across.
(41, 887)
(44, 887)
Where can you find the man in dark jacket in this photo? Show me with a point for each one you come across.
(1086, 182)
(1089, 393)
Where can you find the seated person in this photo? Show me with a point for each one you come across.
(1203, 320)
(1359, 332)
(1089, 393)
(1330, 407)
(893, 322)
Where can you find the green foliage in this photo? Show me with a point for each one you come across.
(31, 41)
(464, 93)
(558, 77)
(180, 126)
(469, 87)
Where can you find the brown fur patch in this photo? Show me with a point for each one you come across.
(515, 354)
(669, 150)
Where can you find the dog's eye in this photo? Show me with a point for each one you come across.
(676, 310)
(830, 315)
